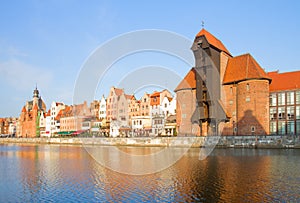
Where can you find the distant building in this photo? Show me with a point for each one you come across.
(102, 109)
(159, 108)
(55, 108)
(141, 126)
(95, 107)
(30, 116)
(285, 103)
(72, 117)
(117, 108)
(8, 126)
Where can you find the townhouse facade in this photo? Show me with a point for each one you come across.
(8, 126)
(102, 108)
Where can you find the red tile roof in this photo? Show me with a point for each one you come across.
(212, 40)
(243, 67)
(155, 98)
(128, 96)
(118, 91)
(189, 81)
(23, 109)
(284, 81)
(48, 113)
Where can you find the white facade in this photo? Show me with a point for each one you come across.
(42, 124)
(54, 110)
(168, 106)
(161, 110)
(114, 130)
(141, 125)
(102, 108)
(48, 126)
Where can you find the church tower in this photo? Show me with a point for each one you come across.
(36, 97)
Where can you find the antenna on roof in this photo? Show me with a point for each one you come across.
(202, 24)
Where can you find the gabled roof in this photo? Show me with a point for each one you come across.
(212, 40)
(59, 103)
(118, 91)
(189, 81)
(23, 109)
(243, 67)
(284, 81)
(129, 96)
(48, 113)
(155, 94)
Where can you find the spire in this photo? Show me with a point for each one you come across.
(36, 92)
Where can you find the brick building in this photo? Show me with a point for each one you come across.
(222, 93)
(30, 116)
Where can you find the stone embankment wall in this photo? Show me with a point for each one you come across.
(232, 142)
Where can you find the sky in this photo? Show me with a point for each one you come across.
(46, 43)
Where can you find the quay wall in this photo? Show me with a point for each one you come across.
(223, 142)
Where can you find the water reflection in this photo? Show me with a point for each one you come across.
(34, 173)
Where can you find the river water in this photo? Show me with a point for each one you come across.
(53, 173)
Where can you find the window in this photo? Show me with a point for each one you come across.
(298, 97)
(230, 102)
(248, 99)
(273, 100)
(290, 97)
(281, 113)
(252, 129)
(291, 127)
(273, 127)
(297, 112)
(145, 99)
(281, 127)
(298, 127)
(290, 112)
(281, 99)
(183, 115)
(273, 113)
(231, 90)
(166, 105)
(248, 87)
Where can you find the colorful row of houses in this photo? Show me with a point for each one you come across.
(119, 114)
(249, 100)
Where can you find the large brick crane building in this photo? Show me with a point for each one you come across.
(238, 90)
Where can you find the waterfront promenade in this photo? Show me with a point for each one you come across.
(226, 142)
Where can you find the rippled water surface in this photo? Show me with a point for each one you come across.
(49, 173)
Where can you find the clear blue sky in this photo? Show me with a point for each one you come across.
(46, 42)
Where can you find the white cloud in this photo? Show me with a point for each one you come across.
(23, 76)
